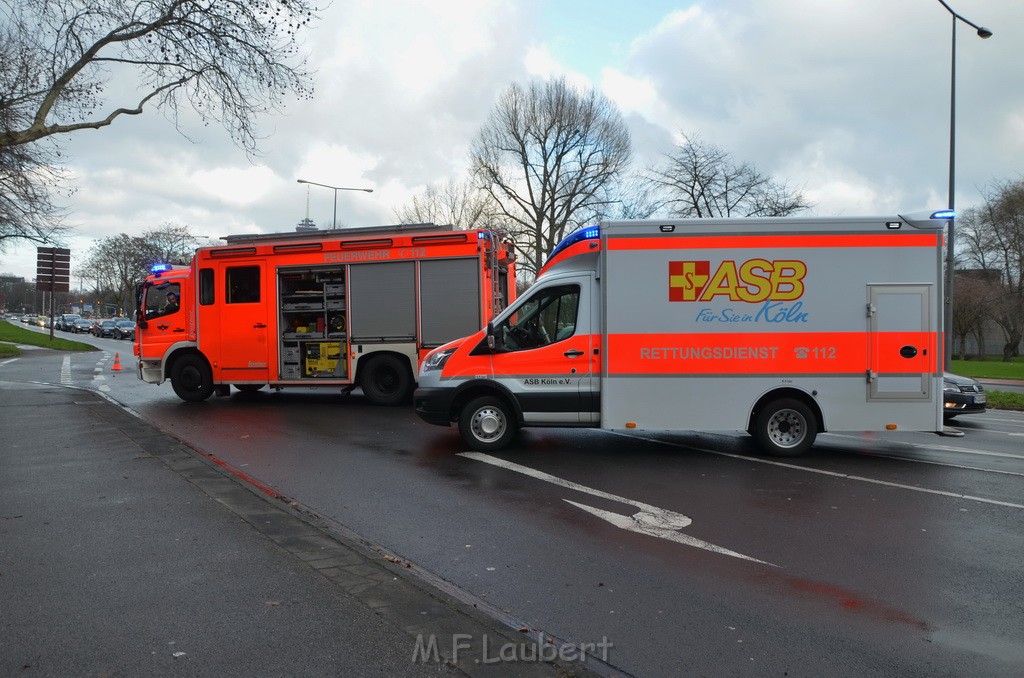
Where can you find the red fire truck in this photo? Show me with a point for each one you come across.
(354, 307)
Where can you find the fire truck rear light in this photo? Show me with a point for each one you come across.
(630, 424)
(891, 427)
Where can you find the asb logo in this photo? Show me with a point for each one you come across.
(752, 281)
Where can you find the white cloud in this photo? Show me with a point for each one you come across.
(848, 100)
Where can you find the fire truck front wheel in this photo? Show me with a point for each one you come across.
(191, 378)
(487, 424)
(386, 380)
(785, 428)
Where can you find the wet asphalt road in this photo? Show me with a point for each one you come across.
(884, 555)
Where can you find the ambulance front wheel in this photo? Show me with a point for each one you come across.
(785, 428)
(191, 378)
(487, 424)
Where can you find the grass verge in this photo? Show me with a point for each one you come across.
(994, 368)
(990, 368)
(1005, 400)
(22, 335)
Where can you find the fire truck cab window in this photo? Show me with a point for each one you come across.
(163, 300)
(547, 317)
(243, 284)
(206, 286)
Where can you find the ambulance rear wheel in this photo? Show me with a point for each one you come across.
(487, 424)
(385, 380)
(192, 379)
(785, 428)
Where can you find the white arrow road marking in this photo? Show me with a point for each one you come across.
(651, 520)
(65, 370)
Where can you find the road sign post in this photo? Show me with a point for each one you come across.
(53, 273)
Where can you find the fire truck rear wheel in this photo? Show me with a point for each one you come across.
(192, 379)
(487, 424)
(249, 388)
(386, 380)
(785, 428)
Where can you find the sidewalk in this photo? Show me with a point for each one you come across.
(123, 553)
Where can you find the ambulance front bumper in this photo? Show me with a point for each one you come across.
(434, 405)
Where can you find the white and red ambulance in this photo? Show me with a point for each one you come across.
(782, 327)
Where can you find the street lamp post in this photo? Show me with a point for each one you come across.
(947, 325)
(334, 223)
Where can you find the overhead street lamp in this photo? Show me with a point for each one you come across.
(947, 326)
(334, 223)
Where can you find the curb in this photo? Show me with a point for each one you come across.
(425, 606)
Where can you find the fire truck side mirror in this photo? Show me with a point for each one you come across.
(490, 335)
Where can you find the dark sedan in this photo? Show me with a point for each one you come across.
(962, 395)
(105, 328)
(124, 328)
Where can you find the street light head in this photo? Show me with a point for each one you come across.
(302, 181)
(984, 33)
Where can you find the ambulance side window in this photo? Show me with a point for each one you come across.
(243, 284)
(547, 317)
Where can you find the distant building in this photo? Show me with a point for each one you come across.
(306, 225)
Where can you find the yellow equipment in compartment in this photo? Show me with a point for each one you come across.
(325, 359)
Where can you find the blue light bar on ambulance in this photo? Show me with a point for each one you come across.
(588, 233)
(159, 268)
(944, 214)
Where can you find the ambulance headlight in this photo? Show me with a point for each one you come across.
(437, 359)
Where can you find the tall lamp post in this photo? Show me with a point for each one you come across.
(947, 326)
(334, 223)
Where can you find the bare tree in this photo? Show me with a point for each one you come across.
(170, 243)
(458, 203)
(29, 186)
(550, 157)
(117, 264)
(700, 180)
(994, 234)
(229, 61)
(28, 174)
(972, 307)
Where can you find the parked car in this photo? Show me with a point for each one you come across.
(962, 395)
(82, 325)
(104, 328)
(124, 328)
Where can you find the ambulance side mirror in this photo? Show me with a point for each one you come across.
(490, 335)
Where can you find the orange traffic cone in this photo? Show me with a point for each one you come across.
(117, 363)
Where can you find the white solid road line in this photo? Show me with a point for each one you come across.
(862, 479)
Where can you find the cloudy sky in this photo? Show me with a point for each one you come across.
(847, 100)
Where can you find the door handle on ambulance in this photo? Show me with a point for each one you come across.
(573, 353)
(260, 326)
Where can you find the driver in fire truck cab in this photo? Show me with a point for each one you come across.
(170, 302)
